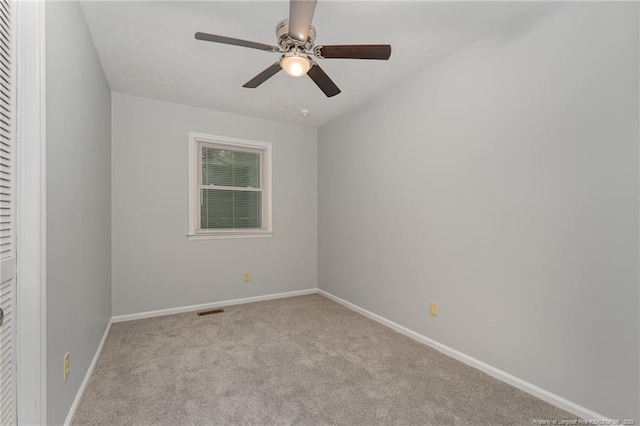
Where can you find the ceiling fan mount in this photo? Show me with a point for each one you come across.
(286, 42)
(296, 43)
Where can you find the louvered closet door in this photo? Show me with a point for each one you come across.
(7, 217)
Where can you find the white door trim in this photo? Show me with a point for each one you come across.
(31, 218)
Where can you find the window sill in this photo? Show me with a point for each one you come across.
(229, 235)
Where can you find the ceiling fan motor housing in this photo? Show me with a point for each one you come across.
(287, 43)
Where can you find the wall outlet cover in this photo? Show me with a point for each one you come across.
(433, 308)
(66, 366)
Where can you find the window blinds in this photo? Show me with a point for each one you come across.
(230, 187)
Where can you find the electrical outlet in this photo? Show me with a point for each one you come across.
(66, 366)
(247, 277)
(433, 308)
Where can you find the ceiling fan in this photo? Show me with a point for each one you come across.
(296, 38)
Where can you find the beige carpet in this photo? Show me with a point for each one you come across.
(303, 360)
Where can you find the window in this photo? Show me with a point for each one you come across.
(230, 187)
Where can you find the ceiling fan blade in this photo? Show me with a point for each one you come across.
(263, 76)
(300, 16)
(354, 51)
(235, 42)
(322, 80)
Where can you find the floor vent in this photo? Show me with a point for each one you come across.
(212, 311)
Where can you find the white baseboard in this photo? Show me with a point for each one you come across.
(510, 379)
(211, 305)
(87, 376)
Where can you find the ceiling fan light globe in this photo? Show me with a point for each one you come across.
(295, 66)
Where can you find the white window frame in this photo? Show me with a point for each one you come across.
(195, 233)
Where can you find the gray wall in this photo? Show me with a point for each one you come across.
(78, 203)
(502, 183)
(154, 265)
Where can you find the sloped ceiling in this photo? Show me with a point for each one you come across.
(148, 49)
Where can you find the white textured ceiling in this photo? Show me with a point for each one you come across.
(148, 49)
